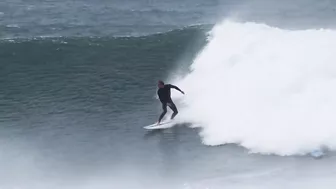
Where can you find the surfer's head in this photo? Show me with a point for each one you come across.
(160, 84)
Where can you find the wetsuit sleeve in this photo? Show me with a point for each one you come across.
(174, 87)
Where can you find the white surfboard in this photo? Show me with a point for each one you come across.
(317, 153)
(162, 125)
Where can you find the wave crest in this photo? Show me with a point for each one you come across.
(270, 90)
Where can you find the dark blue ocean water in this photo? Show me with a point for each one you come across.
(56, 18)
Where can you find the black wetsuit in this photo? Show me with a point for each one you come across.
(165, 98)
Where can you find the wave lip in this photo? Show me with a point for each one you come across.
(270, 90)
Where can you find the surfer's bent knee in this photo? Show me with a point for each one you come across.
(173, 107)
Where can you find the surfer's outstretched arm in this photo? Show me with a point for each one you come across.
(174, 87)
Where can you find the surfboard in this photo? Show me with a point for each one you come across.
(317, 153)
(163, 125)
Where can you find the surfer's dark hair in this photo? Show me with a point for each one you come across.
(161, 82)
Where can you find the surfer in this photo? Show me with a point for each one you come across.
(164, 96)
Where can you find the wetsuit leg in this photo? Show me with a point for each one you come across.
(173, 107)
(164, 108)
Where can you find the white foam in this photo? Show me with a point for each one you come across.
(12, 26)
(270, 90)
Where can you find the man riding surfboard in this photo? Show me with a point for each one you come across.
(165, 98)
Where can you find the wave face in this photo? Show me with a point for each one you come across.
(72, 111)
(270, 90)
(36, 73)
